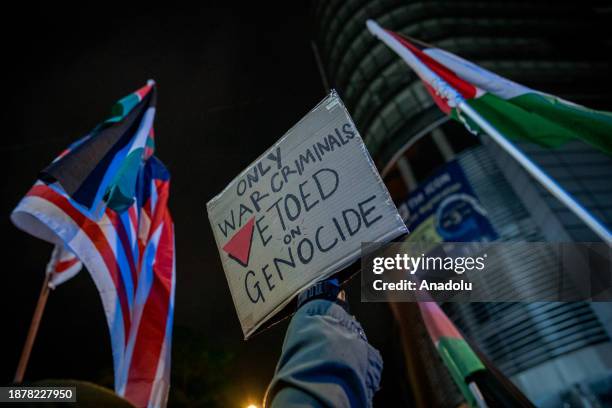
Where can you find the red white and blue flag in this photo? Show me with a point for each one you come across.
(62, 266)
(121, 230)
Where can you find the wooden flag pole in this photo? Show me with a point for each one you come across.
(27, 347)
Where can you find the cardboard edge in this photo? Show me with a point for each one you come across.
(332, 94)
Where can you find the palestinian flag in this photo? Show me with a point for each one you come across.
(100, 170)
(457, 355)
(518, 112)
(472, 372)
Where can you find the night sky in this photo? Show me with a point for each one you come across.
(231, 81)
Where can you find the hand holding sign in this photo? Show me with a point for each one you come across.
(299, 213)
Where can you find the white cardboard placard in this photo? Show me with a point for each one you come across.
(299, 213)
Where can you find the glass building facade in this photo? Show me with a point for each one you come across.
(553, 351)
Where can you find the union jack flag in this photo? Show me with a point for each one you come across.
(115, 221)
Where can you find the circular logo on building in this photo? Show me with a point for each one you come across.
(461, 218)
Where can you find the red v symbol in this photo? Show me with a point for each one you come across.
(239, 246)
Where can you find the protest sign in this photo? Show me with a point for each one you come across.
(299, 213)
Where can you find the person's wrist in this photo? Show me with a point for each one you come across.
(326, 290)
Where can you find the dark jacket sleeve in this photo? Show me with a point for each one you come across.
(326, 361)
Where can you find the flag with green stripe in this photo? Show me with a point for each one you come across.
(518, 112)
(101, 169)
(456, 353)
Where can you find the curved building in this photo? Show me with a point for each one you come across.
(552, 351)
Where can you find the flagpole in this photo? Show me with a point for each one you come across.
(545, 180)
(315, 51)
(29, 343)
(455, 99)
(480, 401)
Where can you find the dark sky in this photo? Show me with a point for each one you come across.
(231, 81)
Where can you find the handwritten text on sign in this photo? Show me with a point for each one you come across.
(299, 213)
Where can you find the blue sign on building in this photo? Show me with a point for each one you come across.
(444, 208)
